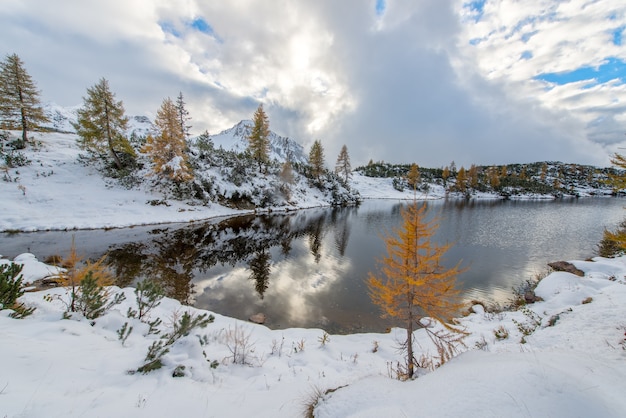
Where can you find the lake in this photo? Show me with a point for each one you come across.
(308, 268)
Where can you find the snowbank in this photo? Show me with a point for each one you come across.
(571, 365)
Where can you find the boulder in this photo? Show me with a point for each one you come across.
(567, 267)
(258, 318)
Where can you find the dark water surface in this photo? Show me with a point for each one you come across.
(308, 268)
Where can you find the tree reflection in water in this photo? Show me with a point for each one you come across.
(174, 256)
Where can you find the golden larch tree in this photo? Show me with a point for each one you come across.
(616, 240)
(259, 142)
(414, 178)
(167, 150)
(412, 283)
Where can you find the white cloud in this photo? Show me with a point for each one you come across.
(405, 85)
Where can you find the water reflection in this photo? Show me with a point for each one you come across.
(307, 268)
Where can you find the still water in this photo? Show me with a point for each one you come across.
(308, 268)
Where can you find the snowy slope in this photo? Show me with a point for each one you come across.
(574, 367)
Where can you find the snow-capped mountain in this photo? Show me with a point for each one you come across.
(281, 148)
(61, 118)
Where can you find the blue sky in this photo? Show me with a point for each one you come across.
(485, 82)
(610, 69)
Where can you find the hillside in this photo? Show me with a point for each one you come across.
(54, 185)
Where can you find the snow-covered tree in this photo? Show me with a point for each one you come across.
(101, 124)
(316, 159)
(183, 115)
(167, 150)
(413, 284)
(259, 137)
(342, 167)
(19, 98)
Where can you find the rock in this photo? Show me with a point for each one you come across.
(530, 296)
(258, 318)
(567, 267)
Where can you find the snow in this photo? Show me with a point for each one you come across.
(77, 367)
(573, 364)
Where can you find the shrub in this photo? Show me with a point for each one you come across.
(11, 289)
(181, 328)
(613, 243)
(91, 299)
(501, 333)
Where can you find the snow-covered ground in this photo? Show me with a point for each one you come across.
(57, 192)
(572, 365)
(53, 367)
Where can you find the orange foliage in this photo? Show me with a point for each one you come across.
(412, 283)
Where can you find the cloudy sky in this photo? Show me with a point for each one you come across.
(425, 81)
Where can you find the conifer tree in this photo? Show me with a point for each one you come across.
(544, 171)
(461, 180)
(167, 150)
(494, 178)
(19, 98)
(183, 115)
(342, 167)
(414, 178)
(472, 174)
(259, 137)
(316, 159)
(102, 125)
(445, 173)
(618, 182)
(412, 283)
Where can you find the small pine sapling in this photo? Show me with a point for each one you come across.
(11, 289)
(148, 295)
(124, 332)
(92, 300)
(181, 328)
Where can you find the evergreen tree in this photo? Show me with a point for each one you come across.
(412, 283)
(19, 98)
(342, 167)
(183, 115)
(102, 124)
(259, 137)
(167, 150)
(316, 159)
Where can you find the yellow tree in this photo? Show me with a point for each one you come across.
(259, 142)
(167, 150)
(414, 178)
(616, 240)
(472, 174)
(445, 173)
(461, 180)
(413, 284)
(618, 182)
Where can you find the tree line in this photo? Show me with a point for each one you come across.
(102, 125)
